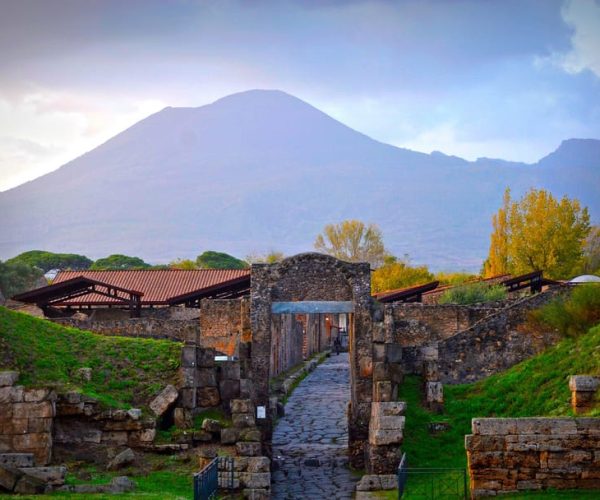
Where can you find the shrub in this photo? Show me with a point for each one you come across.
(572, 315)
(473, 293)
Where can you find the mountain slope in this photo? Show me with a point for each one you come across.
(260, 170)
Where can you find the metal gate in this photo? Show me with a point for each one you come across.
(217, 474)
(429, 483)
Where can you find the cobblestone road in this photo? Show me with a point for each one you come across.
(311, 442)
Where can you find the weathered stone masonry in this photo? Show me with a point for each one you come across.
(514, 454)
(316, 277)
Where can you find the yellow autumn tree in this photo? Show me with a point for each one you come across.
(538, 232)
(398, 273)
(352, 241)
(497, 261)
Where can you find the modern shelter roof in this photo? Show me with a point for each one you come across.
(158, 286)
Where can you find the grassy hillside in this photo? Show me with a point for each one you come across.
(536, 387)
(125, 371)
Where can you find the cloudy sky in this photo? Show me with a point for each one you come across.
(503, 78)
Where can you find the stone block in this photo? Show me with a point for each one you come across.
(182, 418)
(189, 377)
(385, 437)
(389, 423)
(203, 436)
(380, 371)
(206, 377)
(249, 449)
(387, 409)
(494, 426)
(32, 441)
(29, 485)
(134, 413)
(258, 464)
(434, 392)
(379, 352)
(39, 425)
(583, 383)
(123, 459)
(241, 406)
(9, 477)
(164, 400)
(395, 373)
(208, 397)
(118, 438)
(383, 391)
(188, 356)
(230, 370)
(250, 434)
(8, 378)
(144, 436)
(245, 388)
(35, 395)
(255, 479)
(210, 425)
(44, 409)
(54, 476)
(188, 398)
(229, 435)
(241, 420)
(430, 353)
(229, 389)
(393, 353)
(256, 493)
(431, 370)
(16, 460)
(10, 394)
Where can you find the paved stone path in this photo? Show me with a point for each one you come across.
(310, 443)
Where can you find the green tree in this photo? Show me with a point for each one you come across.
(50, 260)
(397, 273)
(18, 277)
(352, 241)
(219, 260)
(119, 261)
(541, 233)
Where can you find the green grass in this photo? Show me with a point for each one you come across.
(536, 387)
(125, 371)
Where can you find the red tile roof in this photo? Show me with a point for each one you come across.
(157, 285)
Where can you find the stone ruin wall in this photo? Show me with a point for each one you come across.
(146, 327)
(468, 343)
(224, 323)
(515, 454)
(315, 277)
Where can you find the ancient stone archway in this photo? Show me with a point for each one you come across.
(316, 278)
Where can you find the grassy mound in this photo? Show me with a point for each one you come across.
(536, 387)
(125, 371)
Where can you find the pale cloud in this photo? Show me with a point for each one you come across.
(584, 17)
(40, 130)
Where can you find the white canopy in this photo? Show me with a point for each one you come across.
(586, 278)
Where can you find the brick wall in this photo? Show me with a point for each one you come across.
(224, 323)
(515, 454)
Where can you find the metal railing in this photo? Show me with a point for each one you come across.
(431, 483)
(206, 482)
(219, 473)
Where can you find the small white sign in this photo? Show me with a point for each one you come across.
(261, 412)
